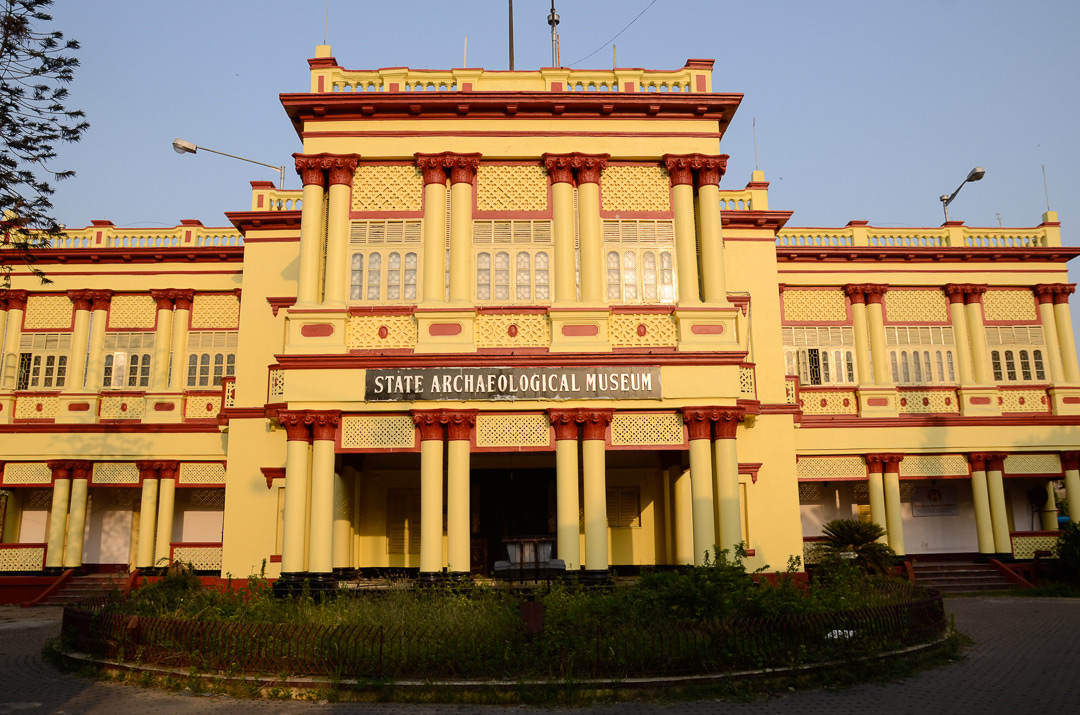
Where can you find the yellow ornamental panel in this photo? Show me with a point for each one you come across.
(513, 431)
(37, 407)
(387, 188)
(1024, 401)
(201, 558)
(22, 558)
(115, 473)
(1011, 305)
(202, 407)
(27, 473)
(121, 407)
(1025, 546)
(641, 330)
(380, 332)
(646, 429)
(920, 402)
(511, 188)
(378, 432)
(215, 311)
(832, 402)
(512, 330)
(826, 468)
(132, 311)
(934, 465)
(1033, 464)
(635, 188)
(815, 305)
(916, 306)
(52, 312)
(201, 473)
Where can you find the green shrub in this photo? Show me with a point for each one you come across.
(1068, 550)
(858, 541)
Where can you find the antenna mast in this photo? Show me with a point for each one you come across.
(553, 20)
(511, 34)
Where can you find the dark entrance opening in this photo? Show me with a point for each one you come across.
(508, 503)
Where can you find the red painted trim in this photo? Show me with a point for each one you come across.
(48, 426)
(373, 359)
(580, 330)
(276, 239)
(343, 134)
(706, 329)
(877, 254)
(941, 420)
(317, 330)
(444, 329)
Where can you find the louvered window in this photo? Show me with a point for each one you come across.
(820, 355)
(513, 261)
(127, 360)
(403, 521)
(1017, 353)
(623, 507)
(43, 359)
(921, 355)
(211, 356)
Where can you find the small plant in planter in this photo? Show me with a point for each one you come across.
(858, 542)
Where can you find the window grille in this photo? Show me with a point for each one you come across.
(921, 355)
(127, 360)
(211, 356)
(820, 355)
(43, 359)
(1016, 353)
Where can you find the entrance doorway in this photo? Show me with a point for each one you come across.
(508, 503)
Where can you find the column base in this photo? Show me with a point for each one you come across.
(458, 576)
(345, 573)
(447, 330)
(979, 401)
(7, 408)
(579, 330)
(78, 408)
(314, 332)
(1005, 558)
(878, 402)
(52, 570)
(430, 578)
(710, 328)
(163, 408)
(984, 558)
(1065, 399)
(290, 583)
(592, 578)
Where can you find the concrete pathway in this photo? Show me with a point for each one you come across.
(1026, 659)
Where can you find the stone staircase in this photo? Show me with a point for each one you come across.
(959, 576)
(86, 586)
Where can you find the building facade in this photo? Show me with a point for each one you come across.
(514, 308)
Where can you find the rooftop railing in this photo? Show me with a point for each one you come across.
(189, 234)
(859, 234)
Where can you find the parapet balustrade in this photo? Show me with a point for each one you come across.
(860, 235)
(103, 234)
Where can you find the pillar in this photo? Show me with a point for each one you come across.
(343, 558)
(875, 485)
(76, 526)
(3, 331)
(714, 277)
(1049, 513)
(594, 492)
(159, 376)
(16, 308)
(430, 423)
(567, 530)
(312, 226)
(293, 554)
(1044, 294)
(995, 483)
(181, 320)
(727, 477)
(458, 433)
(588, 168)
(95, 364)
(875, 294)
(148, 476)
(166, 511)
(342, 168)
(80, 334)
(667, 487)
(433, 289)
(980, 354)
(324, 426)
(699, 427)
(61, 480)
(862, 338)
(984, 526)
(1065, 332)
(957, 316)
(1071, 462)
(686, 256)
(684, 519)
(894, 515)
(562, 229)
(462, 175)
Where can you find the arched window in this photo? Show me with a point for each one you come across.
(614, 277)
(502, 276)
(1025, 365)
(542, 281)
(850, 366)
(895, 371)
(940, 366)
(356, 277)
(905, 371)
(1040, 373)
(825, 376)
(374, 276)
(926, 366)
(1010, 365)
(523, 276)
(483, 276)
(649, 277)
(667, 277)
(629, 278)
(917, 366)
(393, 276)
(410, 276)
(995, 360)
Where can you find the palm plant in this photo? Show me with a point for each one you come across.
(845, 537)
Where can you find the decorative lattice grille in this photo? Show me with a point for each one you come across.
(387, 332)
(513, 431)
(115, 473)
(635, 188)
(815, 305)
(277, 385)
(838, 402)
(208, 498)
(48, 312)
(511, 188)
(387, 188)
(1033, 464)
(124, 498)
(1024, 547)
(628, 330)
(201, 558)
(811, 493)
(378, 432)
(22, 558)
(509, 330)
(934, 465)
(202, 407)
(907, 491)
(746, 380)
(646, 429)
(1009, 305)
(790, 391)
(121, 407)
(916, 305)
(220, 312)
(37, 408)
(1024, 401)
(813, 551)
(201, 473)
(861, 493)
(919, 402)
(132, 311)
(27, 473)
(826, 468)
(38, 499)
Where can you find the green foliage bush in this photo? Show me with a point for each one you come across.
(1068, 551)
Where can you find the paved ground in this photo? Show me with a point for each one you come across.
(1026, 659)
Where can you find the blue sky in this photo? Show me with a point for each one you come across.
(865, 110)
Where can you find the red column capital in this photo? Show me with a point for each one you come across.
(310, 168)
(430, 423)
(856, 292)
(81, 299)
(1070, 460)
(595, 422)
(588, 167)
(324, 423)
(147, 470)
(698, 421)
(296, 425)
(1044, 292)
(994, 461)
(163, 299)
(168, 469)
(559, 168)
(17, 299)
(431, 167)
(183, 298)
(954, 292)
(726, 421)
(973, 294)
(459, 424)
(101, 299)
(462, 167)
(61, 468)
(679, 169)
(1062, 291)
(709, 168)
(889, 463)
(565, 423)
(977, 460)
(875, 292)
(341, 168)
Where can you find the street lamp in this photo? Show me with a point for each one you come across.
(974, 175)
(185, 147)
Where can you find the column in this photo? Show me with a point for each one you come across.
(166, 511)
(159, 377)
(148, 476)
(1044, 294)
(1071, 462)
(458, 433)
(342, 168)
(862, 337)
(567, 530)
(562, 229)
(668, 487)
(1065, 332)
(893, 512)
(312, 227)
(699, 427)
(430, 423)
(684, 519)
(686, 257)
(727, 477)
(955, 293)
(995, 483)
(590, 234)
(343, 491)
(1049, 513)
(297, 434)
(16, 305)
(434, 237)
(61, 480)
(324, 426)
(181, 320)
(980, 355)
(95, 365)
(984, 526)
(462, 174)
(875, 485)
(594, 492)
(76, 526)
(80, 333)
(875, 294)
(3, 330)
(714, 277)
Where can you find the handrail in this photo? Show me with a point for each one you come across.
(56, 586)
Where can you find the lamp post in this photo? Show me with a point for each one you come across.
(185, 147)
(974, 175)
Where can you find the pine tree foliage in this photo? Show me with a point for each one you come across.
(36, 65)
